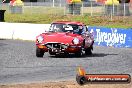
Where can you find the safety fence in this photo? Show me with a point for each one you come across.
(58, 7)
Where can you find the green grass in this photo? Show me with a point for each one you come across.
(41, 15)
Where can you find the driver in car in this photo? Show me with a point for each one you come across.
(79, 30)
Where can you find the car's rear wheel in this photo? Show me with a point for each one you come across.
(39, 52)
(88, 51)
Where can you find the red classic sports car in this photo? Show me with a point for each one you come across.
(65, 37)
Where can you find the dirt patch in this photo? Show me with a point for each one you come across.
(66, 84)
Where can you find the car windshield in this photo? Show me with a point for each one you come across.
(67, 28)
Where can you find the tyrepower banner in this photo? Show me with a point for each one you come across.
(116, 37)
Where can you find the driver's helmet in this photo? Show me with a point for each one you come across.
(67, 28)
(80, 27)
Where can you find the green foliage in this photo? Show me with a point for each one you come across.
(116, 22)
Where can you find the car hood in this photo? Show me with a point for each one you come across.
(60, 37)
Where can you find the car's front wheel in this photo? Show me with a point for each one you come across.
(39, 52)
(79, 53)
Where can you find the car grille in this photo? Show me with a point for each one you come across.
(56, 46)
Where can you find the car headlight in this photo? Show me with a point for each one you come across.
(75, 41)
(40, 39)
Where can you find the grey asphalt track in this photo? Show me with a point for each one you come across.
(18, 63)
